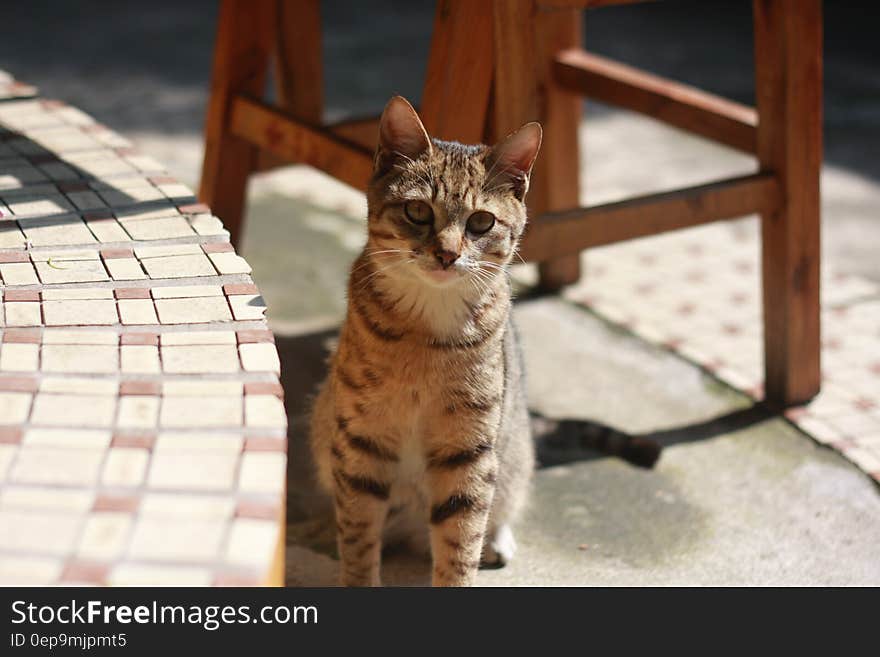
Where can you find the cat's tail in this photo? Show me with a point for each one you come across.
(557, 439)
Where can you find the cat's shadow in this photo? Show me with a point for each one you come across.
(311, 544)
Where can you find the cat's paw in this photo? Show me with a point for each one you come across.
(499, 548)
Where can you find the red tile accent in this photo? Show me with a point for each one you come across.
(18, 384)
(264, 388)
(85, 571)
(264, 444)
(240, 288)
(29, 336)
(132, 292)
(14, 256)
(53, 104)
(93, 215)
(256, 510)
(110, 254)
(95, 127)
(123, 440)
(255, 335)
(153, 388)
(107, 502)
(140, 338)
(162, 180)
(235, 579)
(865, 404)
(194, 208)
(122, 152)
(21, 295)
(875, 368)
(74, 186)
(10, 435)
(217, 247)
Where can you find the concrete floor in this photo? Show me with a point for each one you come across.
(738, 497)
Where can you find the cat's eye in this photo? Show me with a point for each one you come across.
(419, 212)
(480, 222)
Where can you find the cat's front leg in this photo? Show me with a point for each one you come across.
(361, 492)
(461, 480)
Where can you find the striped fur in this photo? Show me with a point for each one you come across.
(421, 426)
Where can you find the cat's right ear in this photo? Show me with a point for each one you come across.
(401, 134)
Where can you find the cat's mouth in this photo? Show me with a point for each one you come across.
(440, 275)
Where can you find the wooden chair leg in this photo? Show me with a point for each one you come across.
(788, 79)
(241, 56)
(555, 181)
(299, 68)
(455, 99)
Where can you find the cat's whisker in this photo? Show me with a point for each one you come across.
(363, 282)
(370, 255)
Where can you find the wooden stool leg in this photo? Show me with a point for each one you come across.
(520, 31)
(455, 99)
(788, 79)
(241, 56)
(556, 177)
(299, 69)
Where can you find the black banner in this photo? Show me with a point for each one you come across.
(386, 621)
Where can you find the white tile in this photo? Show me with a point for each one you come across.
(193, 311)
(196, 412)
(125, 467)
(104, 536)
(260, 357)
(264, 411)
(80, 359)
(73, 410)
(140, 359)
(200, 359)
(18, 357)
(138, 412)
(137, 311)
(14, 407)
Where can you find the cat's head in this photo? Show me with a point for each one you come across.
(449, 210)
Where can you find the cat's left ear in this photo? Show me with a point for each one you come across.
(513, 157)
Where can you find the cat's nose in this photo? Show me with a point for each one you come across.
(446, 258)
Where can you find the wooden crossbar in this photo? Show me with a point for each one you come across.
(294, 141)
(570, 231)
(678, 104)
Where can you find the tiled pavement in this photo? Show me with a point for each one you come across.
(142, 427)
(698, 292)
(12, 88)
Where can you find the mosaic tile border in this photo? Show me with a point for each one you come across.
(142, 425)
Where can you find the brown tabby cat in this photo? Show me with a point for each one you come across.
(422, 421)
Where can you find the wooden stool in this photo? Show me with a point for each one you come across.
(479, 88)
